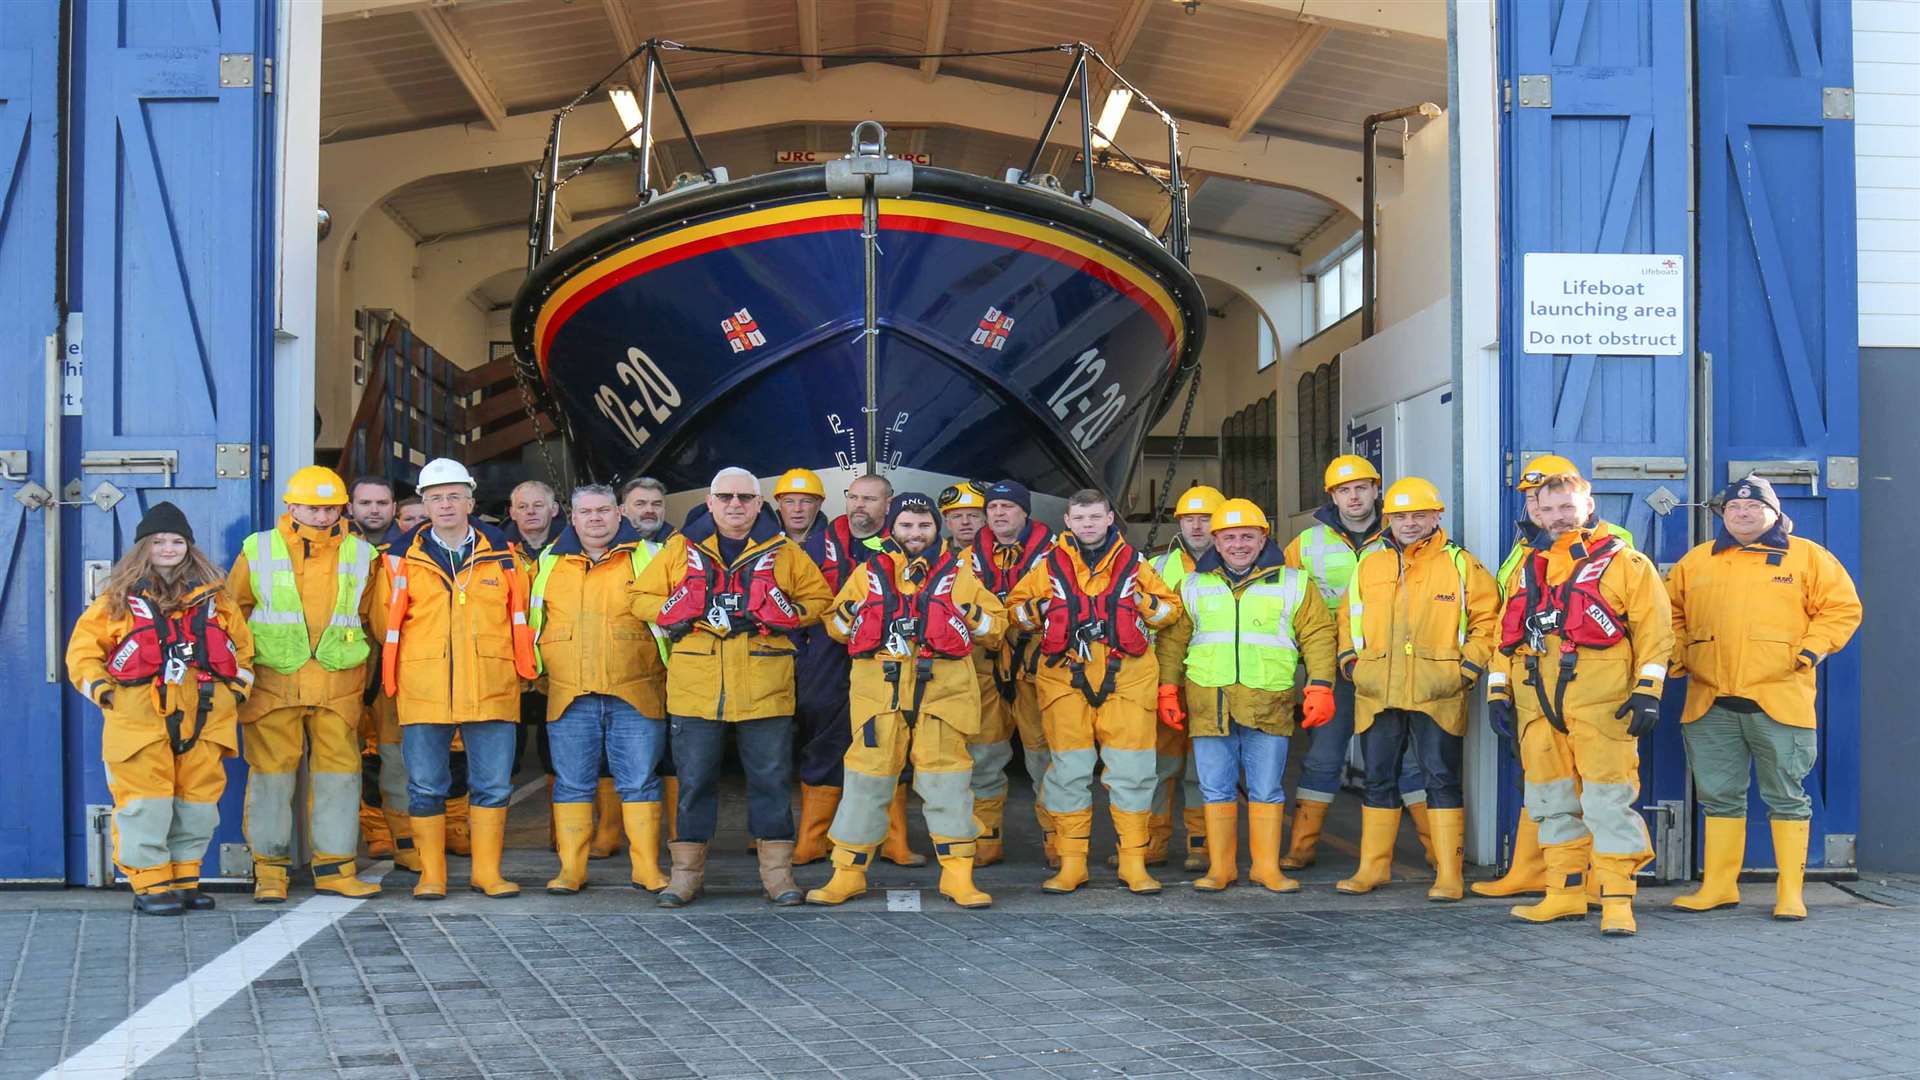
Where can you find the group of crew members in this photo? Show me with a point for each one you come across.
(909, 641)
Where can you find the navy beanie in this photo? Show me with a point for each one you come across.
(1014, 492)
(910, 502)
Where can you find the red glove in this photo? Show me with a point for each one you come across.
(1316, 706)
(1171, 714)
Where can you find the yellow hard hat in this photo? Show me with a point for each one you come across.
(1239, 514)
(800, 482)
(1410, 493)
(316, 485)
(1199, 499)
(965, 495)
(1542, 467)
(1347, 468)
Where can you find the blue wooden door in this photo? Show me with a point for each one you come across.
(1595, 158)
(1778, 314)
(31, 791)
(173, 172)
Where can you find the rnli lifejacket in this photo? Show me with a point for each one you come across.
(830, 554)
(163, 650)
(743, 598)
(926, 623)
(1575, 611)
(1032, 548)
(1077, 619)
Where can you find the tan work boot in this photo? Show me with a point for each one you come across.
(1222, 834)
(1070, 842)
(776, 873)
(850, 862)
(956, 872)
(400, 826)
(608, 828)
(1424, 830)
(338, 875)
(1527, 873)
(572, 833)
(489, 825)
(1566, 885)
(1726, 849)
(642, 820)
(1379, 826)
(269, 882)
(1790, 855)
(817, 804)
(689, 878)
(1303, 848)
(1131, 825)
(1449, 852)
(988, 815)
(1263, 845)
(430, 842)
(895, 848)
(1199, 855)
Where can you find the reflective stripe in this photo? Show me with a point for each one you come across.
(393, 637)
(1496, 678)
(1654, 671)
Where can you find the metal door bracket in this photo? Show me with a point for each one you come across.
(1639, 468)
(1536, 91)
(1663, 500)
(32, 496)
(166, 462)
(233, 460)
(1839, 851)
(106, 496)
(1836, 102)
(236, 69)
(1794, 471)
(1843, 473)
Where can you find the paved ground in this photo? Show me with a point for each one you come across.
(1099, 984)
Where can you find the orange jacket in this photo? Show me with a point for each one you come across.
(455, 647)
(1137, 682)
(1755, 621)
(133, 718)
(315, 554)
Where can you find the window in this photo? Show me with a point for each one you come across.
(1317, 429)
(1250, 453)
(1336, 287)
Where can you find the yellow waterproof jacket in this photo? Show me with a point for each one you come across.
(1137, 682)
(1210, 707)
(456, 646)
(1410, 646)
(589, 640)
(1755, 621)
(1603, 678)
(747, 676)
(889, 682)
(134, 719)
(1018, 655)
(316, 558)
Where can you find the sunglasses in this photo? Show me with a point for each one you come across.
(735, 496)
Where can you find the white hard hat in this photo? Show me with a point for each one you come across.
(443, 471)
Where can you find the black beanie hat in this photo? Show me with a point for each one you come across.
(164, 517)
(1012, 491)
(909, 501)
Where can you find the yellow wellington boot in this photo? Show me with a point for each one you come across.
(572, 835)
(1449, 850)
(817, 804)
(1527, 873)
(489, 824)
(269, 882)
(459, 830)
(1159, 834)
(1222, 832)
(1790, 855)
(608, 827)
(1049, 841)
(1132, 828)
(1423, 828)
(895, 848)
(430, 843)
(669, 807)
(850, 863)
(1566, 897)
(1378, 828)
(1726, 849)
(642, 820)
(956, 872)
(988, 816)
(1616, 900)
(1302, 850)
(1199, 855)
(373, 830)
(337, 874)
(1264, 821)
(401, 828)
(1070, 842)
(1593, 890)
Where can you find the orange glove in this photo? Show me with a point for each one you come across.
(1171, 714)
(1316, 706)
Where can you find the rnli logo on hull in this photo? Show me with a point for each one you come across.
(994, 328)
(742, 332)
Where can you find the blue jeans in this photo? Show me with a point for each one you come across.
(490, 745)
(766, 752)
(1324, 764)
(1394, 735)
(1222, 760)
(596, 728)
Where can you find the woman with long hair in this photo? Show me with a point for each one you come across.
(166, 654)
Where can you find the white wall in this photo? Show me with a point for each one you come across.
(1886, 79)
(1414, 229)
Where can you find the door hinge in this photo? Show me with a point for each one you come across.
(1836, 102)
(236, 70)
(266, 75)
(1506, 95)
(1536, 91)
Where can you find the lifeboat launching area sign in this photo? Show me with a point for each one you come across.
(1605, 305)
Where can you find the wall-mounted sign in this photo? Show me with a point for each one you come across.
(1606, 305)
(821, 157)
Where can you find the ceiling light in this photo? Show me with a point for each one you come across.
(1119, 100)
(628, 106)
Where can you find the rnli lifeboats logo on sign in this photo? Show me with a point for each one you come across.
(995, 327)
(742, 332)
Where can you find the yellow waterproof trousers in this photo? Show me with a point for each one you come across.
(165, 808)
(1584, 782)
(941, 772)
(274, 745)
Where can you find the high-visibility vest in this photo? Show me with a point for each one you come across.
(1331, 561)
(1171, 565)
(278, 622)
(642, 554)
(1225, 649)
(1355, 608)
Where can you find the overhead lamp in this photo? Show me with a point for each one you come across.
(1119, 100)
(628, 106)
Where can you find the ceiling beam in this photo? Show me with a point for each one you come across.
(808, 14)
(332, 11)
(939, 12)
(1127, 31)
(627, 37)
(464, 65)
(1294, 57)
(1404, 19)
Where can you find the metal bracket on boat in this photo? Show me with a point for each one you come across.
(868, 160)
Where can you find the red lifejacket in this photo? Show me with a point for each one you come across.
(742, 598)
(1576, 610)
(926, 623)
(1076, 619)
(163, 650)
(1032, 549)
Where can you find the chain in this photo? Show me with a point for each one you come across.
(539, 431)
(1173, 463)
